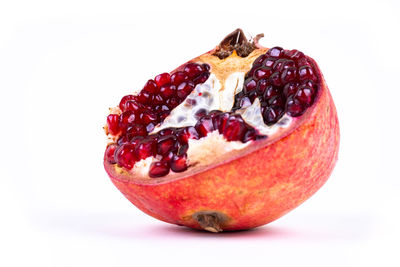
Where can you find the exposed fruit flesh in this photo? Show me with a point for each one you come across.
(283, 81)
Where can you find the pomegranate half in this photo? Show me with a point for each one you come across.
(231, 140)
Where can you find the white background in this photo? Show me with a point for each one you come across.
(62, 64)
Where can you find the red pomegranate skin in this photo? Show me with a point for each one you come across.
(254, 189)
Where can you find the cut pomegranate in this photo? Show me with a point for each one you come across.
(232, 139)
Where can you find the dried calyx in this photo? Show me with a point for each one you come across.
(236, 41)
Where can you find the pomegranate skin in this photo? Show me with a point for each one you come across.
(254, 189)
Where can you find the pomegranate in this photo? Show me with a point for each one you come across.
(231, 140)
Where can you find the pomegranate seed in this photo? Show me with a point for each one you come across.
(306, 73)
(126, 118)
(148, 117)
(263, 72)
(184, 89)
(124, 100)
(151, 87)
(206, 67)
(277, 101)
(272, 114)
(261, 86)
(220, 121)
(167, 157)
(167, 91)
(270, 92)
(279, 64)
(158, 100)
(275, 79)
(288, 75)
(122, 140)
(178, 163)
(303, 62)
(294, 107)
(136, 140)
(159, 169)
(162, 79)
(145, 97)
(201, 78)
(132, 105)
(166, 144)
(249, 85)
(125, 156)
(304, 95)
(308, 83)
(252, 96)
(290, 89)
(179, 77)
(184, 134)
(204, 126)
(113, 124)
(269, 62)
(289, 64)
(146, 148)
(136, 130)
(235, 128)
(109, 155)
(275, 51)
(172, 103)
(193, 70)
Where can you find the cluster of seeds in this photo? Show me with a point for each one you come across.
(142, 112)
(170, 145)
(283, 80)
